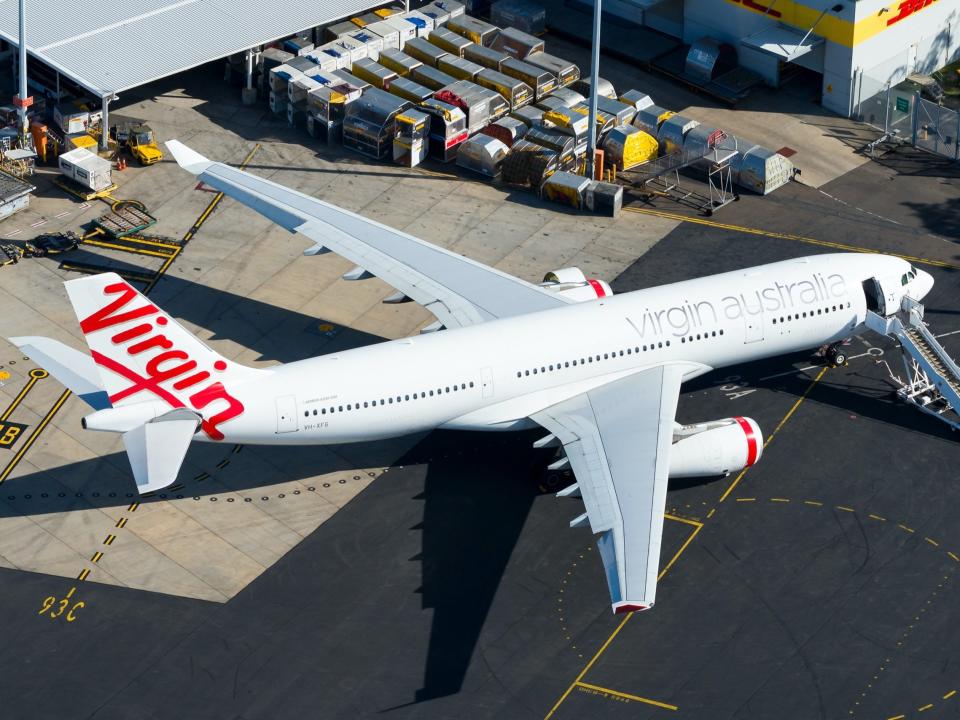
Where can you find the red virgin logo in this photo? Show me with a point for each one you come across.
(166, 363)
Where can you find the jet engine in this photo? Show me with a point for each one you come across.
(572, 283)
(718, 447)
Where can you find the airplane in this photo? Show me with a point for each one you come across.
(599, 372)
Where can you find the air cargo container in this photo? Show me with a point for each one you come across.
(542, 82)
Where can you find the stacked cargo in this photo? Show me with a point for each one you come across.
(476, 31)
(448, 129)
(449, 41)
(411, 138)
(399, 62)
(482, 154)
(368, 126)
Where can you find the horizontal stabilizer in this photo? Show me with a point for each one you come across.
(157, 448)
(72, 368)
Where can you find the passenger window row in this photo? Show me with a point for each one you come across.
(543, 369)
(820, 311)
(390, 400)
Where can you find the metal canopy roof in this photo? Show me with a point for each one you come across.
(784, 42)
(108, 46)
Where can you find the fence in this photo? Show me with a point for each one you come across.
(902, 113)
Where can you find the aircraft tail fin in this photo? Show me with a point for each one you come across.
(143, 354)
(72, 368)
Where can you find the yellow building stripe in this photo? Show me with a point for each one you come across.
(835, 29)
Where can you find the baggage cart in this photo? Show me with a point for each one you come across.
(763, 170)
(280, 77)
(567, 96)
(366, 19)
(298, 46)
(526, 16)
(424, 51)
(431, 77)
(448, 129)
(552, 104)
(530, 115)
(323, 62)
(298, 88)
(482, 154)
(569, 123)
(563, 145)
(352, 80)
(637, 99)
(516, 92)
(372, 41)
(327, 104)
(474, 30)
(623, 112)
(449, 41)
(566, 73)
(488, 57)
(409, 90)
(539, 79)
(347, 50)
(604, 198)
(443, 10)
(411, 137)
(626, 146)
(528, 164)
(273, 57)
(650, 118)
(516, 43)
(672, 132)
(480, 105)
(459, 67)
(328, 132)
(422, 23)
(399, 61)
(387, 32)
(368, 126)
(605, 123)
(507, 130)
(565, 188)
(374, 73)
(604, 87)
(338, 30)
(406, 30)
(86, 169)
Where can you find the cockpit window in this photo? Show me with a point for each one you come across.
(904, 280)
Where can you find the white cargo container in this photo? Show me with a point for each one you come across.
(86, 169)
(71, 120)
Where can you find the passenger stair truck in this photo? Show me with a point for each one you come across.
(932, 377)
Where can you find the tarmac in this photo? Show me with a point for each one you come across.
(437, 577)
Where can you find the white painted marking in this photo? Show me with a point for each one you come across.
(15, 232)
(874, 351)
(38, 223)
(83, 206)
(63, 214)
(952, 332)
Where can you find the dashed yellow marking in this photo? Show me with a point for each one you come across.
(746, 499)
(96, 557)
(121, 522)
(83, 574)
(710, 514)
(108, 540)
(904, 527)
(844, 508)
(932, 542)
(815, 503)
(897, 717)
(133, 507)
(779, 499)
(949, 694)
(877, 517)
(925, 707)
(952, 555)
(627, 696)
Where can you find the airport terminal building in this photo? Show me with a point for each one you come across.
(856, 45)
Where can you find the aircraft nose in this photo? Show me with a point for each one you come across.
(924, 283)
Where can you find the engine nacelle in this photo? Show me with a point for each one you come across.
(719, 447)
(572, 283)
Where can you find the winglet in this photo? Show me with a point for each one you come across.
(190, 160)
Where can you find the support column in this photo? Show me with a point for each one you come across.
(249, 93)
(105, 123)
(594, 75)
(23, 100)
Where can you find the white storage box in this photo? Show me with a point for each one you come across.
(86, 169)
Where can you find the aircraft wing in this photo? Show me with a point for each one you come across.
(457, 290)
(617, 438)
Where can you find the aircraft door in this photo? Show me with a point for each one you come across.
(883, 294)
(486, 381)
(753, 328)
(286, 414)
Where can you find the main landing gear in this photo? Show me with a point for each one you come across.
(834, 355)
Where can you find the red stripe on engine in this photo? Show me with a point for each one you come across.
(597, 288)
(752, 445)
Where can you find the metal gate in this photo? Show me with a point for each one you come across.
(935, 128)
(286, 414)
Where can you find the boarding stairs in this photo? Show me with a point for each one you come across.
(932, 377)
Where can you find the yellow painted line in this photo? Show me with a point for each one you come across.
(877, 517)
(925, 707)
(787, 236)
(133, 507)
(146, 241)
(779, 499)
(628, 696)
(33, 436)
(688, 521)
(20, 396)
(815, 503)
(904, 527)
(121, 522)
(742, 499)
(618, 628)
(108, 540)
(96, 556)
(844, 508)
(952, 555)
(932, 542)
(949, 694)
(83, 574)
(138, 251)
(897, 717)
(710, 514)
(776, 430)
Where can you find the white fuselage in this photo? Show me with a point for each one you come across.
(493, 376)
